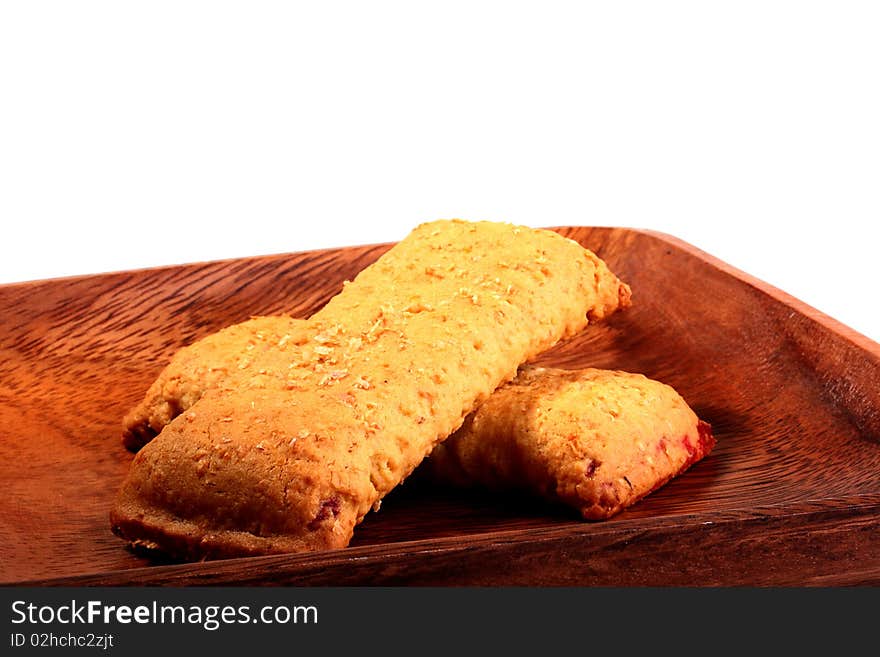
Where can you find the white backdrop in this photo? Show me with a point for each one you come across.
(135, 135)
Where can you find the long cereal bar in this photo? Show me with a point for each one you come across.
(596, 440)
(291, 452)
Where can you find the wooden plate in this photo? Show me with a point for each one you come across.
(789, 496)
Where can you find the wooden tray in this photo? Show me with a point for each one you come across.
(789, 496)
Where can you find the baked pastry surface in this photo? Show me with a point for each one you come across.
(596, 440)
(293, 447)
(201, 366)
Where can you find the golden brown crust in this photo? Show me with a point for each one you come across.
(290, 452)
(596, 440)
(201, 366)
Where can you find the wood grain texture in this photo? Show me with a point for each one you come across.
(789, 495)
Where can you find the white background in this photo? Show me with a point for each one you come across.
(134, 135)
